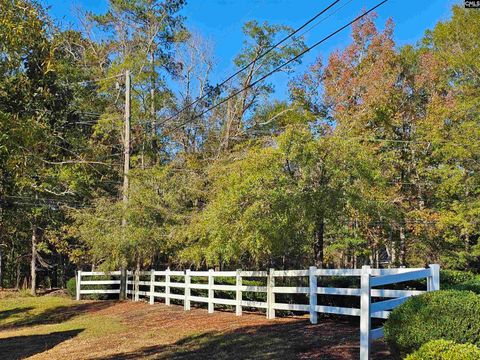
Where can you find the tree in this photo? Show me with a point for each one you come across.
(140, 35)
(259, 38)
(450, 76)
(159, 202)
(270, 203)
(46, 160)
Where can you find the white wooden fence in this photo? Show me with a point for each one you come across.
(93, 285)
(161, 283)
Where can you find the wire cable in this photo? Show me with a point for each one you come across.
(218, 86)
(281, 65)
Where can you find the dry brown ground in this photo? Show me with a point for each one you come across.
(127, 330)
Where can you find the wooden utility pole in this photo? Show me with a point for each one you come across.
(126, 169)
(152, 106)
(126, 138)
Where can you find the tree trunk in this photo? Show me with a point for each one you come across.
(403, 246)
(33, 264)
(371, 256)
(318, 244)
(17, 278)
(391, 250)
(1, 243)
(1, 268)
(137, 279)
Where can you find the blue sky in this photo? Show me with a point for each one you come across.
(221, 21)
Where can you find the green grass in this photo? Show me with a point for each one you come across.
(48, 327)
(40, 315)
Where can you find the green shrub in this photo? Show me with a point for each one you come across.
(72, 287)
(445, 350)
(450, 315)
(470, 285)
(451, 278)
(459, 280)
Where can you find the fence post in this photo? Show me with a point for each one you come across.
(123, 284)
(152, 286)
(167, 286)
(186, 303)
(137, 285)
(270, 295)
(210, 291)
(365, 301)
(132, 283)
(238, 308)
(433, 282)
(78, 284)
(313, 294)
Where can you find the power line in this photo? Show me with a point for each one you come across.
(400, 141)
(95, 80)
(325, 18)
(319, 22)
(281, 65)
(250, 63)
(35, 201)
(281, 47)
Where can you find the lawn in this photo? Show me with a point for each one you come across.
(49, 327)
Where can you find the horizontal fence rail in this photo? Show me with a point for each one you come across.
(233, 285)
(96, 283)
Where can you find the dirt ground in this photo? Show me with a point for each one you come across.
(63, 329)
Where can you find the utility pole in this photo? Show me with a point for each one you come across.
(152, 105)
(126, 169)
(126, 140)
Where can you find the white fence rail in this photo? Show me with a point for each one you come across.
(94, 285)
(178, 285)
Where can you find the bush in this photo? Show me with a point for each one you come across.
(445, 350)
(460, 280)
(450, 315)
(72, 287)
(471, 285)
(451, 278)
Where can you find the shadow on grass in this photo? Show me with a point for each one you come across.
(20, 347)
(294, 340)
(7, 313)
(56, 315)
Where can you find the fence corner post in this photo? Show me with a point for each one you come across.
(186, 303)
(78, 284)
(433, 283)
(365, 320)
(167, 286)
(270, 295)
(313, 294)
(152, 286)
(238, 307)
(210, 291)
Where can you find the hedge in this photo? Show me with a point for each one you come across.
(471, 285)
(445, 350)
(449, 278)
(450, 315)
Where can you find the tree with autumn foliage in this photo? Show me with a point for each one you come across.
(372, 159)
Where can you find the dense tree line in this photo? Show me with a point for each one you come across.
(373, 158)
